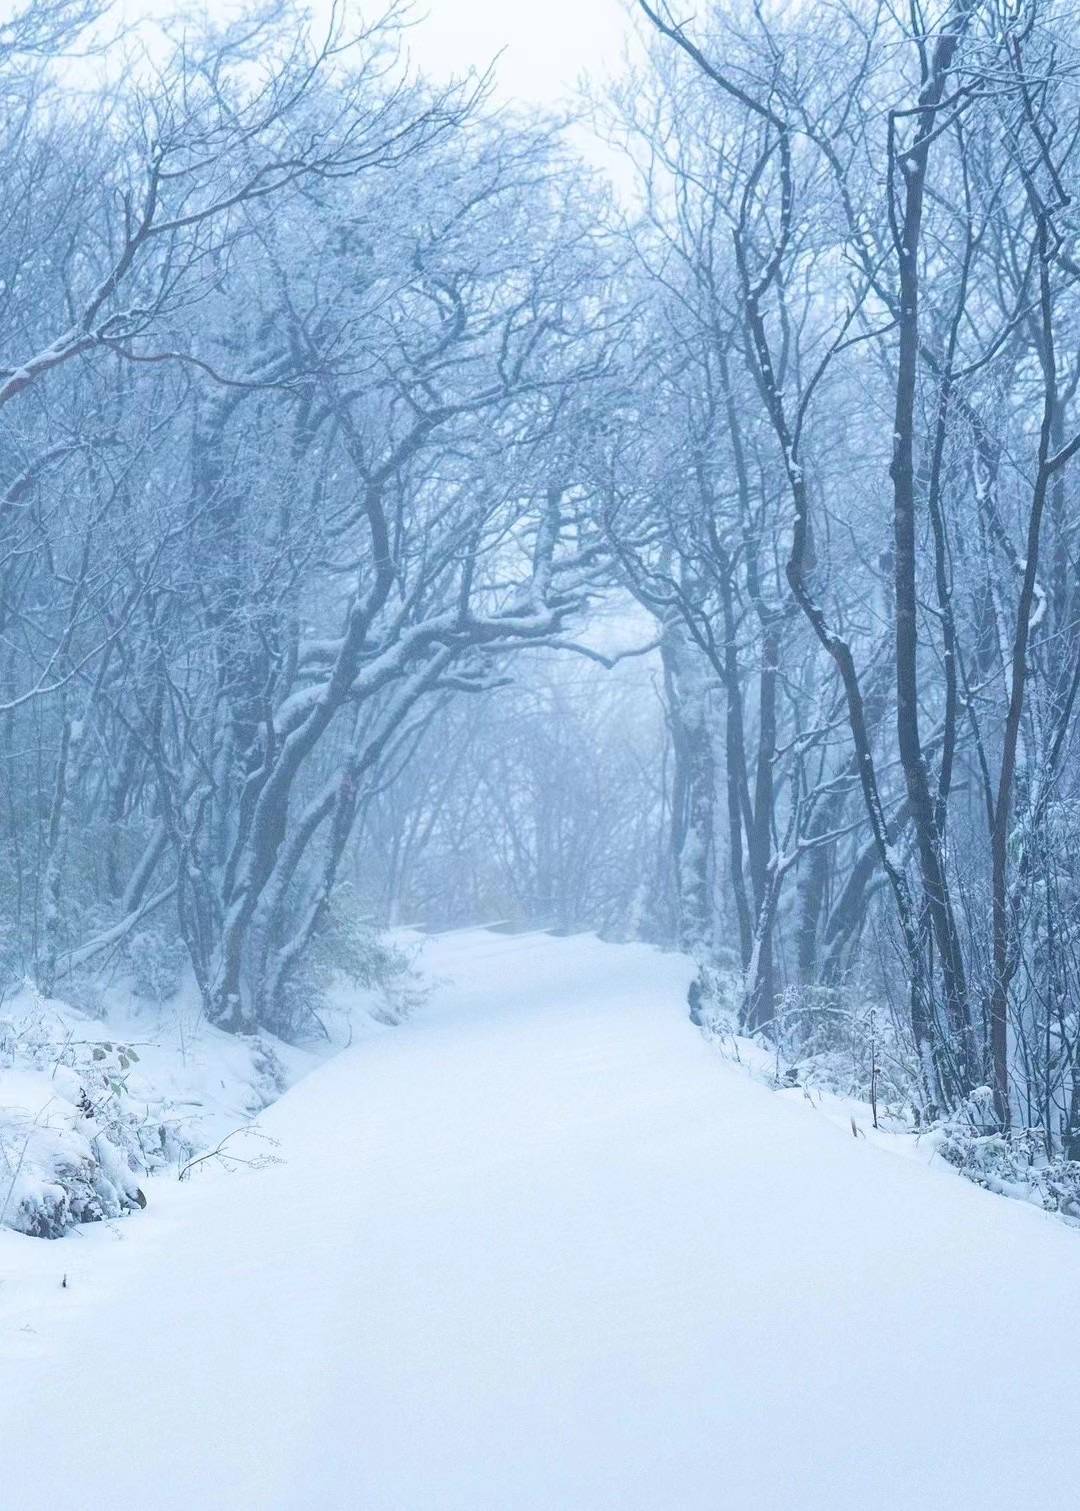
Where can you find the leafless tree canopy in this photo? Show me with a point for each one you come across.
(348, 422)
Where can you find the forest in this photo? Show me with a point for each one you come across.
(404, 519)
(539, 778)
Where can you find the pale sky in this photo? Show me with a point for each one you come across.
(542, 49)
(546, 46)
(549, 43)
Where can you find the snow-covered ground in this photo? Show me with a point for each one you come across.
(92, 1103)
(543, 1249)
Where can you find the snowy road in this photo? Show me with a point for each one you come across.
(541, 1248)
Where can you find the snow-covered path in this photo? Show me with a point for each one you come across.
(542, 1248)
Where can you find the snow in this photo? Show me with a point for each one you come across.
(542, 1249)
(91, 1103)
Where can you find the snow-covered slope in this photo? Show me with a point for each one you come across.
(541, 1249)
(92, 1104)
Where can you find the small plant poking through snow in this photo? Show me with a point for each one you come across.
(233, 1151)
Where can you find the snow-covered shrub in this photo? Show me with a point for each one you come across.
(714, 995)
(833, 1038)
(60, 1168)
(347, 950)
(89, 1108)
(73, 1144)
(837, 1039)
(270, 1077)
(156, 963)
(1013, 1163)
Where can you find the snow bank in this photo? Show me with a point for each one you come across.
(90, 1106)
(95, 1098)
(850, 1062)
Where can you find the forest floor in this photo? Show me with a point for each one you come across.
(542, 1249)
